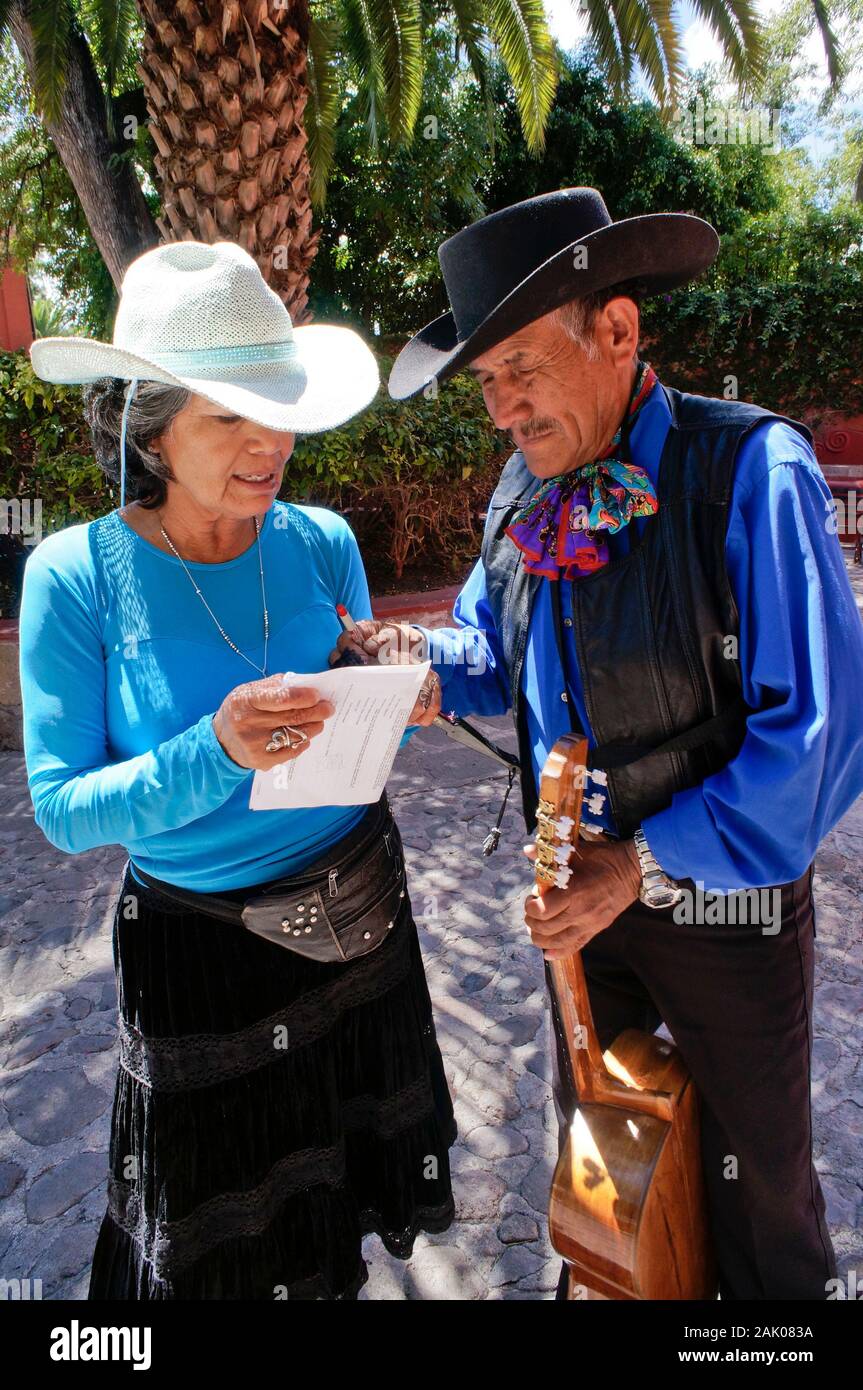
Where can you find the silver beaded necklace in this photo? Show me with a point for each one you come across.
(232, 645)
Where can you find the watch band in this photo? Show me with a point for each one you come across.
(646, 857)
(657, 889)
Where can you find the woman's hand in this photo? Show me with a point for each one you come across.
(249, 713)
(393, 644)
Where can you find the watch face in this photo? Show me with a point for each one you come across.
(661, 895)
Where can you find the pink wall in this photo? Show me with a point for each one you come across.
(839, 450)
(16, 319)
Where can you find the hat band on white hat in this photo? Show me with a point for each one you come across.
(198, 361)
(202, 362)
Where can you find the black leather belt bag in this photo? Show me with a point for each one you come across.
(341, 906)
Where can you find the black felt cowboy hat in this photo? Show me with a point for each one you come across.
(515, 265)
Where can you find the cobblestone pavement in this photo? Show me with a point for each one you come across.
(58, 1042)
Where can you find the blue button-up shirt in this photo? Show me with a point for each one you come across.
(759, 820)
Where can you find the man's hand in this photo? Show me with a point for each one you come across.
(606, 877)
(398, 644)
(388, 643)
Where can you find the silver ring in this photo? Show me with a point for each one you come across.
(427, 691)
(286, 736)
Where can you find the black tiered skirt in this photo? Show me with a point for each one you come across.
(269, 1111)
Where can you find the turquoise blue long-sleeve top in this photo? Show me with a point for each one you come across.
(122, 670)
(759, 820)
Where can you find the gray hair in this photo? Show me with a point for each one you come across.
(578, 317)
(154, 407)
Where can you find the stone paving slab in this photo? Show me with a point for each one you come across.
(58, 1039)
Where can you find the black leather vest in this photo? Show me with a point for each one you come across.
(651, 629)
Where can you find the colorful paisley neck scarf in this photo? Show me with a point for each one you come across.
(556, 530)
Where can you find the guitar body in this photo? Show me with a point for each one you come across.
(627, 1209)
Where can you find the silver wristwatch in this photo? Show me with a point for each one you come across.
(657, 889)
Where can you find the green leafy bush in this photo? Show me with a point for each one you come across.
(413, 478)
(45, 461)
(782, 313)
(45, 446)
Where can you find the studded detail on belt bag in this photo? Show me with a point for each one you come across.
(341, 906)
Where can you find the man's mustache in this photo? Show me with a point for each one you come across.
(541, 424)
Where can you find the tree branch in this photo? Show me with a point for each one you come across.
(112, 199)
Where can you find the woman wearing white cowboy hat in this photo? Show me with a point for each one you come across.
(280, 1090)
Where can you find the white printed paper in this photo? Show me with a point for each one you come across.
(349, 763)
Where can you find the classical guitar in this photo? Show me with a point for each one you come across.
(627, 1208)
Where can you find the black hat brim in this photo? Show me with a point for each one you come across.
(661, 250)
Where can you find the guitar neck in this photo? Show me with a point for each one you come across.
(558, 821)
(589, 1073)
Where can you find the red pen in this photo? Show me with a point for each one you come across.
(345, 618)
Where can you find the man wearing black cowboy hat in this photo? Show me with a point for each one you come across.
(659, 570)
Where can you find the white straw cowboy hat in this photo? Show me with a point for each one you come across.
(202, 316)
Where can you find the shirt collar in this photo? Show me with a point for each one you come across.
(649, 432)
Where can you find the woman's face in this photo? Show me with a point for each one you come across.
(224, 464)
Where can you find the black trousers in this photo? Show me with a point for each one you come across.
(738, 1002)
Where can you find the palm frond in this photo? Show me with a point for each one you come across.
(606, 43)
(738, 28)
(398, 37)
(358, 39)
(623, 13)
(109, 25)
(519, 29)
(52, 23)
(469, 17)
(656, 44)
(832, 51)
(469, 21)
(324, 104)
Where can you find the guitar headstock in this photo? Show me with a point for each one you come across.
(558, 814)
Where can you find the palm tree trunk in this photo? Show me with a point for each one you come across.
(226, 89)
(112, 199)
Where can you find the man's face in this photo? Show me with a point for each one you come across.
(561, 408)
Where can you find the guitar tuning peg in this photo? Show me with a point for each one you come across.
(565, 826)
(595, 803)
(599, 777)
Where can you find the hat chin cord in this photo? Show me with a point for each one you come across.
(130, 392)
